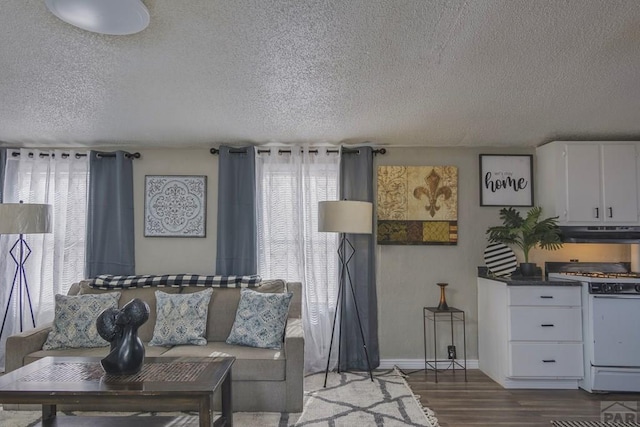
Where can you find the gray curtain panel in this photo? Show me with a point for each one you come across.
(3, 165)
(356, 183)
(237, 222)
(110, 232)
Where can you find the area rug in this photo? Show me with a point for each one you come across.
(591, 424)
(350, 399)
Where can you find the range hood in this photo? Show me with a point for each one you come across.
(601, 234)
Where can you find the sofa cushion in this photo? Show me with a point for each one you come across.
(74, 323)
(223, 306)
(260, 319)
(145, 332)
(181, 319)
(252, 364)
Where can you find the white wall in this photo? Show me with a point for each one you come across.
(165, 255)
(407, 275)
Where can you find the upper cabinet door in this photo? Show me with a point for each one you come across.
(583, 183)
(589, 182)
(620, 183)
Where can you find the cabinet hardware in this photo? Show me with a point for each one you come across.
(546, 296)
(545, 325)
(610, 212)
(549, 361)
(597, 212)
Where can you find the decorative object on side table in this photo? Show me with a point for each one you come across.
(120, 328)
(443, 299)
(526, 233)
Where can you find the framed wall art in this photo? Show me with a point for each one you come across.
(175, 206)
(506, 180)
(417, 205)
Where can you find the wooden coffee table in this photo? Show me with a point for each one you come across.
(188, 383)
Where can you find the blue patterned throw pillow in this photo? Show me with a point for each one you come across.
(260, 319)
(74, 323)
(181, 318)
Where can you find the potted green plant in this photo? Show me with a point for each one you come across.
(526, 233)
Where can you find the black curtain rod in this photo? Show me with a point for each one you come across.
(135, 155)
(216, 151)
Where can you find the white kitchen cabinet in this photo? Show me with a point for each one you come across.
(589, 182)
(530, 336)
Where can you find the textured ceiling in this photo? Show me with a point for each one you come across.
(394, 72)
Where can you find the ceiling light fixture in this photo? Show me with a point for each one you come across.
(113, 17)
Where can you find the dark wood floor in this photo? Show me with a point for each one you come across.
(482, 402)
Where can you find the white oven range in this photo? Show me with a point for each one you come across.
(611, 330)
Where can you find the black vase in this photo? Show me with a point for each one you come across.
(528, 269)
(127, 357)
(120, 327)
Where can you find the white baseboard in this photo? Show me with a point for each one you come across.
(419, 363)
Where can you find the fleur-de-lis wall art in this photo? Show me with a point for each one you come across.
(432, 191)
(417, 205)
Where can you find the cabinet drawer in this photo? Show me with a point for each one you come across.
(545, 324)
(545, 360)
(544, 295)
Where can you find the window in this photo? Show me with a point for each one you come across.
(57, 259)
(289, 187)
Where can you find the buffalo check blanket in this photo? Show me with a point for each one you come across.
(106, 281)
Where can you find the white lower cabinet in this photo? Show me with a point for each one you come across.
(545, 324)
(530, 336)
(545, 360)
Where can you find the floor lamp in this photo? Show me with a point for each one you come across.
(22, 218)
(345, 216)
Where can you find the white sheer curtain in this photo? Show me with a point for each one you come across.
(289, 187)
(57, 259)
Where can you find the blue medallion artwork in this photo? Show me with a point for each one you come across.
(175, 206)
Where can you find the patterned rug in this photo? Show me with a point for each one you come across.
(591, 424)
(350, 399)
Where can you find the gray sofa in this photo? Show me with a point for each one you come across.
(263, 380)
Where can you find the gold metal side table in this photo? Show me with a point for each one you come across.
(453, 316)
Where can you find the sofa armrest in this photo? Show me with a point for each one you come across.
(294, 351)
(24, 343)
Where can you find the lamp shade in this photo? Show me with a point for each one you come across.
(345, 216)
(113, 17)
(25, 218)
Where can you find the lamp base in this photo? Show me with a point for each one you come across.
(20, 252)
(344, 268)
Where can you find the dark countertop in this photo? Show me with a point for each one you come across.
(517, 280)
